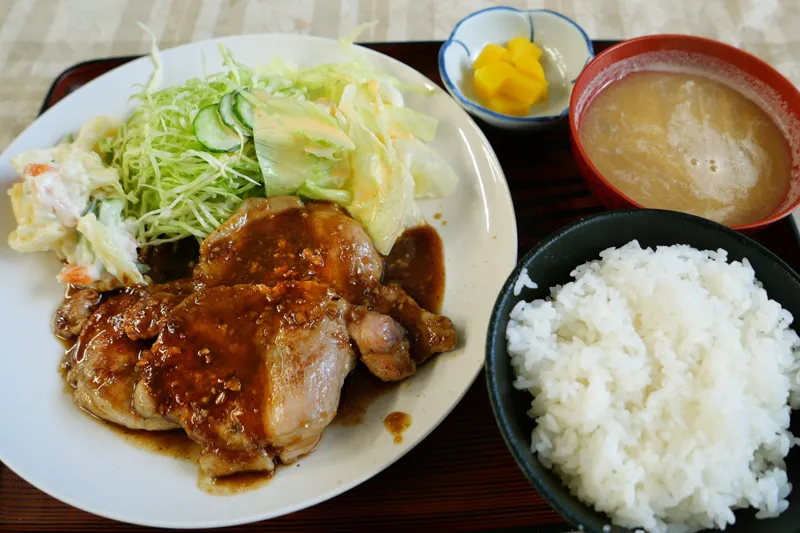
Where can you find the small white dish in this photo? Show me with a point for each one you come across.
(49, 442)
(566, 50)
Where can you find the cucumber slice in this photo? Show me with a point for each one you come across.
(228, 117)
(212, 133)
(243, 110)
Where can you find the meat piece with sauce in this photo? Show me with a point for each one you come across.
(251, 371)
(429, 333)
(383, 346)
(102, 364)
(146, 315)
(250, 355)
(281, 239)
(74, 312)
(269, 240)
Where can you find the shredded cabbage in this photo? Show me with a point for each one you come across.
(180, 189)
(304, 144)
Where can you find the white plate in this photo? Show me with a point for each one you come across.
(46, 440)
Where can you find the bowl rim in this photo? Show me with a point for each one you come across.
(472, 106)
(575, 96)
(501, 414)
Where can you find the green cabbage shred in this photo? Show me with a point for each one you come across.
(175, 188)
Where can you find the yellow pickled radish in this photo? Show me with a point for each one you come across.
(536, 52)
(491, 53)
(522, 88)
(507, 106)
(510, 79)
(489, 78)
(530, 67)
(520, 46)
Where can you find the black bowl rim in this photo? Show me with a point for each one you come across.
(501, 416)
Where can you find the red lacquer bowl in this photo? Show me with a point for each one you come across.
(756, 79)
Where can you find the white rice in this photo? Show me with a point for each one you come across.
(523, 281)
(662, 384)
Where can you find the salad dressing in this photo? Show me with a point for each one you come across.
(288, 125)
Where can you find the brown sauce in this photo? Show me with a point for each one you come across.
(234, 327)
(397, 422)
(318, 243)
(360, 390)
(176, 444)
(67, 344)
(172, 260)
(234, 484)
(173, 443)
(416, 263)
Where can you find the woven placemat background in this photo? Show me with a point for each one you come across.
(41, 38)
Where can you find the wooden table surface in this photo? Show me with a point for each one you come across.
(462, 477)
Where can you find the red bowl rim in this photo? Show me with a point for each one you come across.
(664, 37)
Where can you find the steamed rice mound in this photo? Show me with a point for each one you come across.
(663, 383)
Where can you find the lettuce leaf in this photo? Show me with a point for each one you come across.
(296, 142)
(433, 177)
(314, 191)
(382, 187)
(405, 122)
